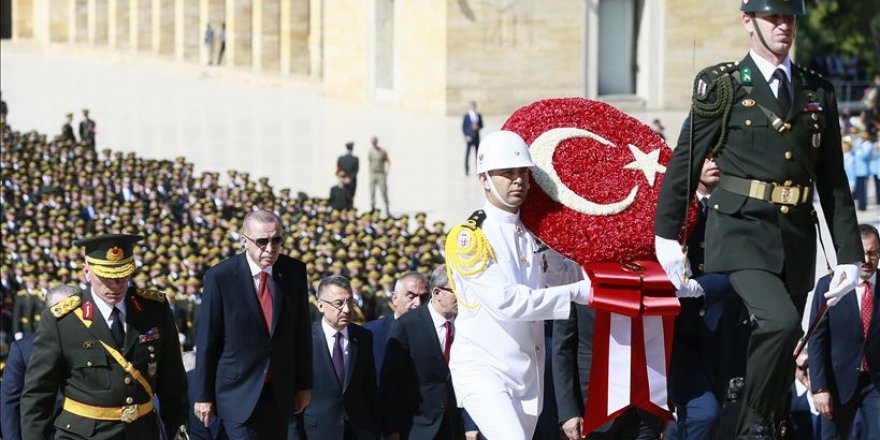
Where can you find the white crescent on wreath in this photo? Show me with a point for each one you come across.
(542, 149)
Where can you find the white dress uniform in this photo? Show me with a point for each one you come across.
(497, 359)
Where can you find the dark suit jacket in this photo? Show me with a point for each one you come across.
(572, 357)
(838, 345)
(467, 126)
(13, 383)
(234, 350)
(415, 384)
(747, 233)
(380, 328)
(332, 404)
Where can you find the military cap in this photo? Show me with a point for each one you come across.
(110, 255)
(354, 264)
(386, 279)
(349, 145)
(421, 216)
(357, 283)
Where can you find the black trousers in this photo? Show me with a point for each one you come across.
(769, 365)
(265, 423)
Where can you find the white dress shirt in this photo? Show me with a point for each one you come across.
(767, 68)
(439, 324)
(106, 310)
(255, 271)
(330, 338)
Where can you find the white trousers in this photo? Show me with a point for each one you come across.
(499, 417)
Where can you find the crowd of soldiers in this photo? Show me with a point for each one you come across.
(191, 222)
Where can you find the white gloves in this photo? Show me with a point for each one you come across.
(842, 282)
(583, 291)
(671, 257)
(691, 289)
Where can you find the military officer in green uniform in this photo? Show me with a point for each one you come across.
(773, 128)
(108, 351)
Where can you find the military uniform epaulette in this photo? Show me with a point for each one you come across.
(468, 251)
(66, 306)
(714, 92)
(151, 295)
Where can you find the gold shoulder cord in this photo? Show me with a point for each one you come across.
(468, 253)
(120, 359)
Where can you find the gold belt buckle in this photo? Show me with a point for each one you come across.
(786, 195)
(129, 413)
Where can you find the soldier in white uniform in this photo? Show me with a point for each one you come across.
(499, 274)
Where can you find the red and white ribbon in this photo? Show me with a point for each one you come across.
(635, 314)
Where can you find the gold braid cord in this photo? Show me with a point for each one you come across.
(722, 85)
(468, 253)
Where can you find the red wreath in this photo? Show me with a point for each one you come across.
(597, 172)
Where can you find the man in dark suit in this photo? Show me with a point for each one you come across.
(87, 129)
(711, 336)
(805, 424)
(349, 164)
(253, 344)
(340, 196)
(773, 127)
(415, 383)
(13, 374)
(67, 129)
(471, 124)
(572, 355)
(345, 402)
(110, 351)
(845, 351)
(410, 290)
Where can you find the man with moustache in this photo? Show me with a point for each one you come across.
(773, 128)
(254, 341)
(344, 401)
(498, 274)
(109, 351)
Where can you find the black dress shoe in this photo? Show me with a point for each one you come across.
(760, 430)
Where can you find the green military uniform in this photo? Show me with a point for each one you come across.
(26, 311)
(349, 164)
(761, 220)
(108, 389)
(378, 176)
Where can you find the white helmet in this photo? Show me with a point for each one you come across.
(501, 150)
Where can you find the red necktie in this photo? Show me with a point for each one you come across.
(265, 297)
(450, 335)
(867, 311)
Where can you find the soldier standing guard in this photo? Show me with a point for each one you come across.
(108, 351)
(773, 128)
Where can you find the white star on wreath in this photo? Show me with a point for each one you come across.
(648, 163)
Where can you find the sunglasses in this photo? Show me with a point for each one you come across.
(264, 241)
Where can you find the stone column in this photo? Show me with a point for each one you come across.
(98, 23)
(51, 20)
(118, 24)
(266, 35)
(239, 17)
(140, 24)
(22, 19)
(211, 12)
(316, 39)
(78, 26)
(186, 30)
(163, 27)
(295, 36)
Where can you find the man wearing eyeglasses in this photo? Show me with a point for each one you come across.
(415, 382)
(254, 351)
(344, 401)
